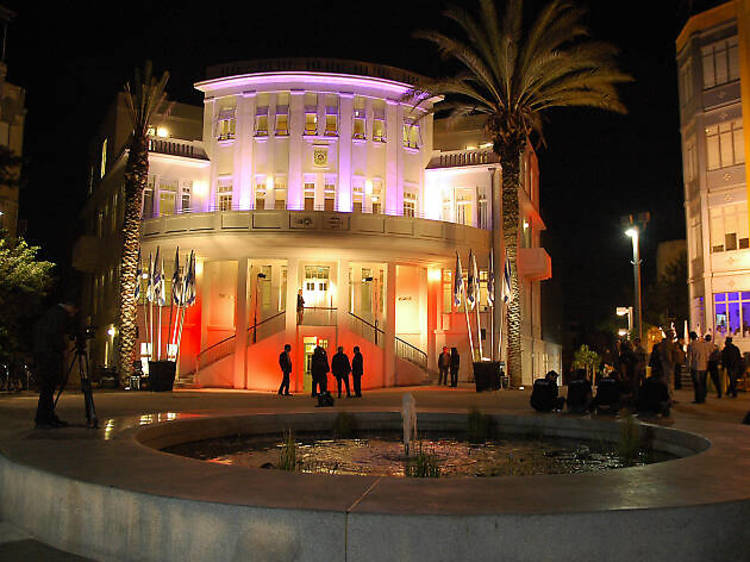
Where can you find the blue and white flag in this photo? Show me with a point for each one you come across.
(150, 283)
(471, 281)
(491, 283)
(458, 282)
(188, 292)
(176, 279)
(507, 292)
(158, 281)
(138, 276)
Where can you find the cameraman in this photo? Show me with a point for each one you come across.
(50, 342)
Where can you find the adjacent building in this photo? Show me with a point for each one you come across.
(313, 179)
(12, 118)
(714, 84)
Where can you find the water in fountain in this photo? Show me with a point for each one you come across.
(408, 420)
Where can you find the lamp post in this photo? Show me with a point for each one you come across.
(634, 226)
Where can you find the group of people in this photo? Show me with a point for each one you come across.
(340, 366)
(622, 381)
(448, 363)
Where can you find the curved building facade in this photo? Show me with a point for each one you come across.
(314, 178)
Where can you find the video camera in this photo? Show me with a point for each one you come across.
(81, 335)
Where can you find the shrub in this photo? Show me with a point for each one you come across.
(288, 453)
(422, 465)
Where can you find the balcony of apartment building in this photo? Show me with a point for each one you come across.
(176, 148)
(463, 158)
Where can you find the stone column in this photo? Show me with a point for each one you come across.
(344, 189)
(243, 154)
(296, 127)
(394, 157)
(202, 288)
(342, 297)
(240, 325)
(292, 285)
(389, 355)
(434, 293)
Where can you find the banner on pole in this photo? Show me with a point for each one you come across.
(491, 283)
(458, 282)
(471, 281)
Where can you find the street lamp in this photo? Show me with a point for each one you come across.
(626, 311)
(634, 226)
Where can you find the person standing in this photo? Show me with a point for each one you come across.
(731, 359)
(697, 360)
(714, 356)
(357, 372)
(341, 368)
(628, 363)
(454, 366)
(641, 358)
(678, 363)
(320, 369)
(444, 363)
(667, 358)
(285, 362)
(49, 352)
(300, 307)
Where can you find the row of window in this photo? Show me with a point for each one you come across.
(729, 228)
(720, 64)
(725, 147)
(732, 313)
(226, 124)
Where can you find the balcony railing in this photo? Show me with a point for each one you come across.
(177, 147)
(459, 158)
(318, 316)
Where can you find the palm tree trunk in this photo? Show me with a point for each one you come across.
(510, 161)
(136, 177)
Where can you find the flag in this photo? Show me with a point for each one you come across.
(138, 275)
(157, 290)
(471, 281)
(188, 291)
(458, 282)
(162, 284)
(507, 292)
(491, 283)
(176, 279)
(150, 283)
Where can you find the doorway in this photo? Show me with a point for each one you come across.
(310, 343)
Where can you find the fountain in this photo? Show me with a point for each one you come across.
(408, 420)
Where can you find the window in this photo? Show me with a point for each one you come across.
(329, 195)
(357, 198)
(282, 115)
(690, 157)
(732, 313)
(483, 211)
(260, 194)
(378, 121)
(103, 167)
(686, 83)
(377, 197)
(526, 233)
(261, 116)
(226, 124)
(279, 193)
(725, 144)
(721, 62)
(360, 123)
(447, 290)
(187, 191)
(464, 200)
(224, 194)
(729, 228)
(311, 114)
(167, 196)
(332, 116)
(410, 204)
(309, 192)
(148, 198)
(696, 237)
(411, 135)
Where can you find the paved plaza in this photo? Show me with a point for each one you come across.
(17, 412)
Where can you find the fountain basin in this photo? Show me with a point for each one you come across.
(124, 496)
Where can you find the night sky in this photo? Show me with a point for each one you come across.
(73, 57)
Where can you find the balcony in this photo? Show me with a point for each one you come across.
(462, 158)
(534, 264)
(177, 147)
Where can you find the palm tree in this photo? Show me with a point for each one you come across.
(145, 99)
(513, 74)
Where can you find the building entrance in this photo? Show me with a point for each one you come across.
(316, 286)
(310, 343)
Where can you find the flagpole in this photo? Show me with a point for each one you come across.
(468, 322)
(477, 295)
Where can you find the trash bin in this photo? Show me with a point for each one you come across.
(161, 375)
(487, 375)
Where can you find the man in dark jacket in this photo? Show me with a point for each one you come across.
(341, 368)
(358, 370)
(608, 394)
(444, 363)
(320, 370)
(50, 333)
(579, 393)
(731, 358)
(455, 365)
(713, 364)
(285, 362)
(544, 394)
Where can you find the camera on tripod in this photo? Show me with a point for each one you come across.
(83, 334)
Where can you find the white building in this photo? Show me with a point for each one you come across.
(713, 80)
(314, 176)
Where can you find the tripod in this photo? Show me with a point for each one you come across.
(81, 355)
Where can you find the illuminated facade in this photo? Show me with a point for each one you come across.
(314, 177)
(714, 75)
